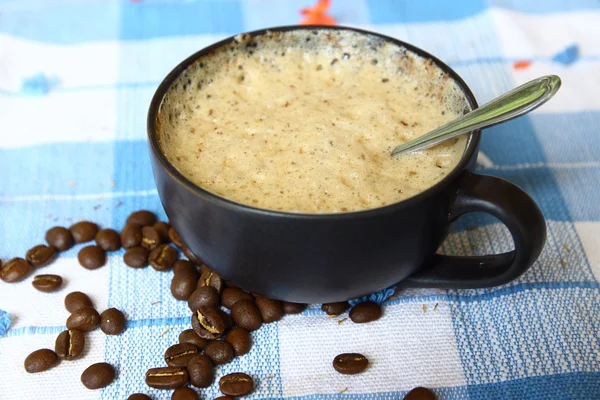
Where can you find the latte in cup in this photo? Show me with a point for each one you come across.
(305, 121)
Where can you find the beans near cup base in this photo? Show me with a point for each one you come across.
(146, 241)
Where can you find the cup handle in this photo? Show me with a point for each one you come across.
(511, 206)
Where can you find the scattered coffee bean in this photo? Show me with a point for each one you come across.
(40, 361)
(201, 371)
(231, 295)
(335, 308)
(131, 236)
(271, 310)
(184, 393)
(136, 257)
(14, 270)
(208, 323)
(76, 300)
(237, 384)
(219, 351)
(47, 283)
(190, 336)
(40, 255)
(98, 375)
(166, 377)
(142, 218)
(84, 319)
(365, 312)
(184, 283)
(162, 257)
(240, 340)
(108, 240)
(350, 363)
(203, 296)
(139, 396)
(246, 315)
(178, 355)
(60, 238)
(150, 238)
(69, 344)
(112, 321)
(293, 308)
(91, 257)
(420, 393)
(175, 238)
(224, 398)
(163, 230)
(191, 256)
(211, 278)
(226, 319)
(184, 266)
(83, 231)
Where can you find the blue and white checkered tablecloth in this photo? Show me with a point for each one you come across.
(76, 78)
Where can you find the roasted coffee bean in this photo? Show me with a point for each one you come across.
(142, 218)
(365, 312)
(84, 319)
(162, 257)
(139, 396)
(112, 321)
(150, 238)
(226, 319)
(76, 300)
(178, 355)
(91, 257)
(184, 266)
(271, 310)
(166, 377)
(47, 283)
(335, 308)
(60, 238)
(131, 236)
(108, 240)
(246, 315)
(240, 340)
(98, 375)
(163, 230)
(231, 295)
(14, 270)
(184, 283)
(136, 257)
(40, 255)
(237, 384)
(203, 296)
(175, 238)
(350, 363)
(190, 336)
(40, 361)
(224, 398)
(83, 231)
(69, 344)
(208, 323)
(219, 351)
(191, 256)
(293, 308)
(420, 393)
(211, 278)
(201, 371)
(184, 393)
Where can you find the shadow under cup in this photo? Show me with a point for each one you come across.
(317, 258)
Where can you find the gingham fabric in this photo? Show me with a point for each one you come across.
(76, 78)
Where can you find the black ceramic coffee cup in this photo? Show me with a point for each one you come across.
(314, 258)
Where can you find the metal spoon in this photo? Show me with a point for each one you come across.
(513, 104)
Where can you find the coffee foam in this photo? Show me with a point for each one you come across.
(304, 121)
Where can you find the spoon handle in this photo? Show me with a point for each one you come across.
(512, 104)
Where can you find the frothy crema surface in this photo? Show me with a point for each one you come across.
(305, 121)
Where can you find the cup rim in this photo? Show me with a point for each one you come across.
(169, 168)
